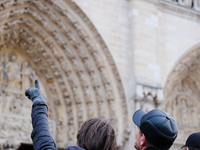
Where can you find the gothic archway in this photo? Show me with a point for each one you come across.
(79, 77)
(182, 97)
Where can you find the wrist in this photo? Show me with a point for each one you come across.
(38, 98)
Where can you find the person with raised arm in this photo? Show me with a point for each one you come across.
(94, 134)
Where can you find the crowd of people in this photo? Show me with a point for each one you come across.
(156, 130)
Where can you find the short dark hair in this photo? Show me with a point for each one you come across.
(193, 148)
(149, 145)
(97, 134)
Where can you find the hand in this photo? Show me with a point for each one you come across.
(34, 94)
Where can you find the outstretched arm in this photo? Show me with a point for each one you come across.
(41, 137)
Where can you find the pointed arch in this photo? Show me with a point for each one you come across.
(182, 98)
(71, 60)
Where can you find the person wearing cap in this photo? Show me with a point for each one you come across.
(193, 142)
(156, 130)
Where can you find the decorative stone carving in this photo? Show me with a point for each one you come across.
(68, 51)
(26, 74)
(87, 94)
(40, 6)
(182, 94)
(9, 145)
(101, 109)
(81, 52)
(80, 114)
(88, 65)
(193, 4)
(12, 72)
(1, 70)
(76, 66)
(72, 39)
(63, 27)
(148, 97)
(8, 4)
(70, 132)
(94, 79)
(98, 60)
(12, 128)
(71, 78)
(70, 17)
(184, 110)
(44, 43)
(104, 75)
(90, 111)
(82, 78)
(13, 102)
(59, 38)
(60, 130)
(76, 94)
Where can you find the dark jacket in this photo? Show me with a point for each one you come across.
(42, 139)
(74, 148)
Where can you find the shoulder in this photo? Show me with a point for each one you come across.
(74, 148)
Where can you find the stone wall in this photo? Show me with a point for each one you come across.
(81, 49)
(162, 34)
(150, 36)
(112, 20)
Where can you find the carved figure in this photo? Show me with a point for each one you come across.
(88, 64)
(82, 78)
(8, 3)
(26, 72)
(101, 109)
(104, 75)
(71, 132)
(90, 111)
(32, 77)
(1, 71)
(183, 111)
(188, 3)
(12, 71)
(94, 79)
(68, 51)
(76, 65)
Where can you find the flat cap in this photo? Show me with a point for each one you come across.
(159, 127)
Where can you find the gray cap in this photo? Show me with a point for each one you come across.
(158, 126)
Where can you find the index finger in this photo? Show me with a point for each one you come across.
(37, 84)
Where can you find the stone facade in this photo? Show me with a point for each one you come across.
(102, 58)
(160, 32)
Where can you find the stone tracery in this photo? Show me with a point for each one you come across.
(76, 74)
(182, 98)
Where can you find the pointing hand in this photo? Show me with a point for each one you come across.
(34, 94)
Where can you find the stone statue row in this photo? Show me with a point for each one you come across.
(195, 4)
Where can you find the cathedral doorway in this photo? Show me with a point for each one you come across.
(25, 147)
(55, 42)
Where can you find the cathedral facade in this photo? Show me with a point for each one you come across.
(102, 58)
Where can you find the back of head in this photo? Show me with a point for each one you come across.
(193, 141)
(159, 128)
(96, 134)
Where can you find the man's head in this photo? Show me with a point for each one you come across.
(158, 129)
(193, 142)
(97, 134)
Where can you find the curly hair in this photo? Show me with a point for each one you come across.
(97, 134)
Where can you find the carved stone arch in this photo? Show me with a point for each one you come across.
(71, 60)
(182, 98)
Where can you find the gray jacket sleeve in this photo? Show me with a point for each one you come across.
(42, 139)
